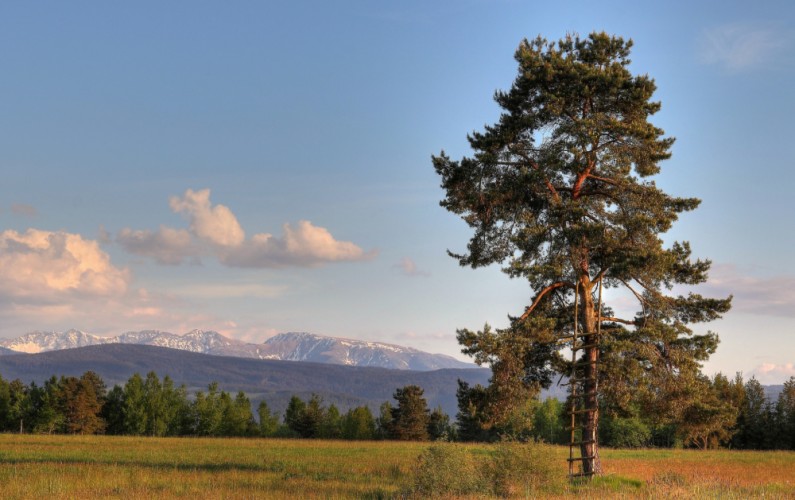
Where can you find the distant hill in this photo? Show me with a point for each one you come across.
(272, 380)
(4, 351)
(285, 346)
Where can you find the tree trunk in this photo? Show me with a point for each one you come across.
(589, 420)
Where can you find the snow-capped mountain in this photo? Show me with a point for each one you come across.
(285, 346)
(320, 349)
(34, 342)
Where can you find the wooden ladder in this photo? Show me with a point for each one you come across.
(578, 403)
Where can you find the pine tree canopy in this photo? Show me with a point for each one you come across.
(560, 192)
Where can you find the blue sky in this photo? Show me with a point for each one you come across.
(260, 167)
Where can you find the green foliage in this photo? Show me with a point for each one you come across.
(558, 191)
(785, 416)
(756, 427)
(331, 424)
(508, 470)
(268, 422)
(411, 417)
(548, 425)
(523, 469)
(624, 432)
(294, 415)
(207, 411)
(473, 420)
(358, 423)
(238, 420)
(447, 471)
(133, 406)
(439, 427)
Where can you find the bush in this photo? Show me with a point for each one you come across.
(522, 469)
(446, 470)
(626, 433)
(511, 469)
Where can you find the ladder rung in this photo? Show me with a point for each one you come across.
(577, 427)
(582, 474)
(583, 363)
(584, 410)
(587, 441)
(579, 335)
(586, 346)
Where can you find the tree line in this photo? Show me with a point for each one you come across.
(717, 412)
(710, 413)
(149, 406)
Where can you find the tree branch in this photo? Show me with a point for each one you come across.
(616, 320)
(603, 179)
(636, 294)
(540, 296)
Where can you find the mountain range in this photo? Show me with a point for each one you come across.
(284, 346)
(274, 381)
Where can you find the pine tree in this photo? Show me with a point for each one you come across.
(559, 192)
(268, 422)
(411, 416)
(294, 416)
(439, 427)
(384, 427)
(785, 416)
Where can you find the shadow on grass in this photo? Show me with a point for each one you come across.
(277, 466)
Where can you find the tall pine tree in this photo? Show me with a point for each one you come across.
(559, 193)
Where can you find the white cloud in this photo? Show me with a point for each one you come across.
(58, 280)
(166, 245)
(766, 296)
(741, 46)
(215, 224)
(45, 266)
(303, 245)
(771, 373)
(409, 268)
(214, 229)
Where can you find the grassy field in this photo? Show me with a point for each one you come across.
(126, 467)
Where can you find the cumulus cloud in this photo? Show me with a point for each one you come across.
(215, 230)
(304, 245)
(215, 224)
(766, 296)
(772, 373)
(739, 46)
(43, 265)
(24, 210)
(166, 245)
(409, 268)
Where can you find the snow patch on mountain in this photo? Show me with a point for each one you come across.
(293, 346)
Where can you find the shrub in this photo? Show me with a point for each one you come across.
(522, 469)
(509, 470)
(446, 470)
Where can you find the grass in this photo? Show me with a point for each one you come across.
(128, 467)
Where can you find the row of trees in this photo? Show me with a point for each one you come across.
(153, 407)
(716, 412)
(712, 413)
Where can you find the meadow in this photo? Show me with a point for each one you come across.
(34, 466)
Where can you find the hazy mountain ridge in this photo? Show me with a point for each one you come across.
(272, 380)
(285, 346)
